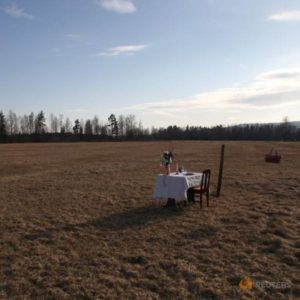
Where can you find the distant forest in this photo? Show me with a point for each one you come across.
(34, 128)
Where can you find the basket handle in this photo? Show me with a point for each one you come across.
(273, 150)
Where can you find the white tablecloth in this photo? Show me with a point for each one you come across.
(175, 185)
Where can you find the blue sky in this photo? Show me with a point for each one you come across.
(196, 62)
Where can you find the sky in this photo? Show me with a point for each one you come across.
(171, 62)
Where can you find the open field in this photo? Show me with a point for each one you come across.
(77, 221)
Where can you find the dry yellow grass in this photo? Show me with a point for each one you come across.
(77, 221)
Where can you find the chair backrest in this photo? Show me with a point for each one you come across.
(204, 185)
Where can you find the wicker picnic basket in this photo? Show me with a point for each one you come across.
(273, 157)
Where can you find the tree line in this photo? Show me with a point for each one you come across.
(34, 128)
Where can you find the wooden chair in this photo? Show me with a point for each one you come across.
(203, 188)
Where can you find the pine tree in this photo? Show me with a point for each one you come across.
(77, 127)
(2, 125)
(40, 123)
(114, 125)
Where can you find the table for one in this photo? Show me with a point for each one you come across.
(175, 185)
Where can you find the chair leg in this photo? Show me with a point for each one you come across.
(207, 198)
(200, 200)
(190, 196)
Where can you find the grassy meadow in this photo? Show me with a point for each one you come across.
(78, 222)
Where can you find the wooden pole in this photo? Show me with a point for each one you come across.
(220, 171)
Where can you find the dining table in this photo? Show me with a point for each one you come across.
(175, 186)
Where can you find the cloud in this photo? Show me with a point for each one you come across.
(279, 74)
(269, 90)
(119, 6)
(123, 50)
(292, 15)
(17, 12)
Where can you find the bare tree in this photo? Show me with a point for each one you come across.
(16, 128)
(140, 129)
(53, 123)
(23, 128)
(95, 125)
(130, 125)
(61, 123)
(82, 122)
(12, 123)
(88, 128)
(122, 129)
(103, 129)
(68, 125)
(31, 123)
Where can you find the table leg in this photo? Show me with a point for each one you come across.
(171, 202)
(190, 195)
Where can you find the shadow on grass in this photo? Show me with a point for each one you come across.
(134, 218)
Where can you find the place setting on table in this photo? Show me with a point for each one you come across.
(179, 186)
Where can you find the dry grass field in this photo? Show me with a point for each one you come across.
(77, 222)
